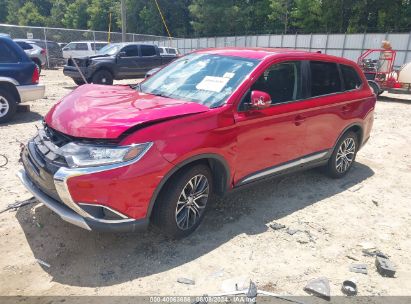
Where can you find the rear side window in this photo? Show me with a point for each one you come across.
(7, 54)
(171, 51)
(351, 78)
(24, 45)
(161, 50)
(147, 50)
(325, 78)
(81, 47)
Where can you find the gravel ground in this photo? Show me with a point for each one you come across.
(335, 219)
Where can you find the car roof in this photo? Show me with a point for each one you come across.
(263, 53)
(86, 41)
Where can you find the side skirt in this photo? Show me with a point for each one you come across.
(306, 162)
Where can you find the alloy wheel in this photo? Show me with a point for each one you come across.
(4, 106)
(345, 155)
(192, 202)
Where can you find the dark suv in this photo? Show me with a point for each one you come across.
(116, 61)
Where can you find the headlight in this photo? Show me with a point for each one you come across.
(83, 155)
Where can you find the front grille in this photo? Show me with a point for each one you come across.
(41, 159)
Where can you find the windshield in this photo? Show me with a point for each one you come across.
(207, 79)
(109, 49)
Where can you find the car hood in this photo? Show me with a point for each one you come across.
(105, 112)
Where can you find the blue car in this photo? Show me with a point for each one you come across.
(19, 78)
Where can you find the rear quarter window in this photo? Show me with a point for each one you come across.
(351, 78)
(325, 78)
(24, 45)
(7, 54)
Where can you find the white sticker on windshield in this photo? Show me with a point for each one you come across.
(228, 75)
(212, 83)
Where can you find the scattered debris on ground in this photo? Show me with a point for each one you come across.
(17, 205)
(359, 268)
(276, 226)
(186, 281)
(43, 263)
(3, 160)
(349, 288)
(384, 266)
(319, 287)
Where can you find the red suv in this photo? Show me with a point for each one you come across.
(117, 157)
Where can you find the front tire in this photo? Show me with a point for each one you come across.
(79, 82)
(181, 205)
(8, 105)
(343, 155)
(102, 77)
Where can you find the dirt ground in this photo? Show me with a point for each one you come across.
(336, 219)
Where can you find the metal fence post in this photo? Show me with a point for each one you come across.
(94, 39)
(407, 49)
(269, 40)
(235, 40)
(47, 48)
(295, 41)
(282, 40)
(311, 41)
(344, 44)
(326, 43)
(363, 42)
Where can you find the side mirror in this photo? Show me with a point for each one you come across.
(122, 54)
(260, 100)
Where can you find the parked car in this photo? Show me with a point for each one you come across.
(116, 61)
(19, 79)
(55, 55)
(116, 158)
(82, 48)
(36, 53)
(62, 45)
(168, 51)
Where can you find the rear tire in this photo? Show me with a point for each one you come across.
(102, 77)
(343, 156)
(181, 205)
(79, 82)
(375, 87)
(8, 105)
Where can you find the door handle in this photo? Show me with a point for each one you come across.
(299, 120)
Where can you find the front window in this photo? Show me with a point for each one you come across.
(109, 49)
(207, 79)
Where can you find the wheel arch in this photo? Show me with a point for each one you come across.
(219, 170)
(11, 88)
(357, 128)
(103, 68)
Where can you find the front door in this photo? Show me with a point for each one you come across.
(271, 140)
(128, 62)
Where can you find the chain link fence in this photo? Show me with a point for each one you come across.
(344, 45)
(65, 36)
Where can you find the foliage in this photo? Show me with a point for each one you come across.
(214, 17)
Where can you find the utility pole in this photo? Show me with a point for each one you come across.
(123, 21)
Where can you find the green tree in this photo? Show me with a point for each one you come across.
(280, 14)
(307, 15)
(29, 15)
(76, 15)
(99, 12)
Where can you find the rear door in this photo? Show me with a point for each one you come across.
(333, 104)
(149, 58)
